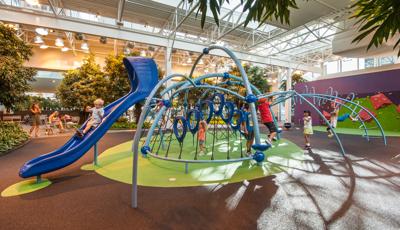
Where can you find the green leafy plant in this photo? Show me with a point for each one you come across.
(380, 18)
(14, 77)
(11, 136)
(45, 103)
(257, 10)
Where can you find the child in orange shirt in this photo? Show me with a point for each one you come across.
(201, 135)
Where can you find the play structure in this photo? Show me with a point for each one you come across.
(175, 108)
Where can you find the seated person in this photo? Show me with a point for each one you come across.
(95, 118)
(55, 121)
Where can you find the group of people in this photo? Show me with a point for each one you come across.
(54, 120)
(263, 107)
(95, 116)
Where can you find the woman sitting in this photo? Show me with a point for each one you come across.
(55, 121)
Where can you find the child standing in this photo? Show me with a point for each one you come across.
(308, 131)
(95, 118)
(201, 135)
(249, 135)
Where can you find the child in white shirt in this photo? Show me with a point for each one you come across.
(308, 130)
(95, 118)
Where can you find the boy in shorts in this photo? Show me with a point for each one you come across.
(266, 116)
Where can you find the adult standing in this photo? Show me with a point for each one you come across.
(35, 119)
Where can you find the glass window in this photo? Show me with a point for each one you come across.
(369, 62)
(331, 67)
(349, 64)
(361, 63)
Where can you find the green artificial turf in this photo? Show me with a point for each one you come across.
(116, 163)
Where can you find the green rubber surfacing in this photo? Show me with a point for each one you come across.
(116, 164)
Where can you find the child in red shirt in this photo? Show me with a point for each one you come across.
(266, 117)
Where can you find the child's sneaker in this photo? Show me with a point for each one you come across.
(79, 133)
(330, 135)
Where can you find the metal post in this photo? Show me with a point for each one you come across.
(95, 155)
(38, 179)
(186, 168)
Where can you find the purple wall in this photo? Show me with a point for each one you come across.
(387, 82)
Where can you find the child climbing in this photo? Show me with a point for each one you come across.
(266, 116)
(333, 119)
(308, 131)
(95, 119)
(201, 136)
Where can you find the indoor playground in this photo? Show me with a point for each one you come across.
(268, 126)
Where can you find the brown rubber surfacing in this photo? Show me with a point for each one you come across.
(84, 200)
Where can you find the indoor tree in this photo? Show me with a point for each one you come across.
(297, 77)
(81, 86)
(14, 76)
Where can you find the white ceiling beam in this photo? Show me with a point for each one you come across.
(16, 15)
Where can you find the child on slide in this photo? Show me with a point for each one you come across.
(95, 119)
(308, 131)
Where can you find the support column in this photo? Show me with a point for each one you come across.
(168, 60)
(288, 103)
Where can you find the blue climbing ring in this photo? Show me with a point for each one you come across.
(206, 51)
(230, 107)
(218, 109)
(210, 112)
(180, 137)
(193, 127)
(239, 114)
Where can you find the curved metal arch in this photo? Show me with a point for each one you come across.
(363, 108)
(209, 87)
(346, 106)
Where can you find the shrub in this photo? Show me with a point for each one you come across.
(11, 135)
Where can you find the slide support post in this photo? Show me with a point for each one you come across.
(95, 155)
(38, 179)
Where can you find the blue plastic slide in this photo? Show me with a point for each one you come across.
(143, 77)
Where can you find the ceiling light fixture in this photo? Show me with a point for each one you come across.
(189, 60)
(38, 40)
(84, 46)
(201, 62)
(143, 53)
(59, 42)
(64, 49)
(42, 31)
(43, 46)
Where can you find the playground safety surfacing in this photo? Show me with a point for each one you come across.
(116, 163)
